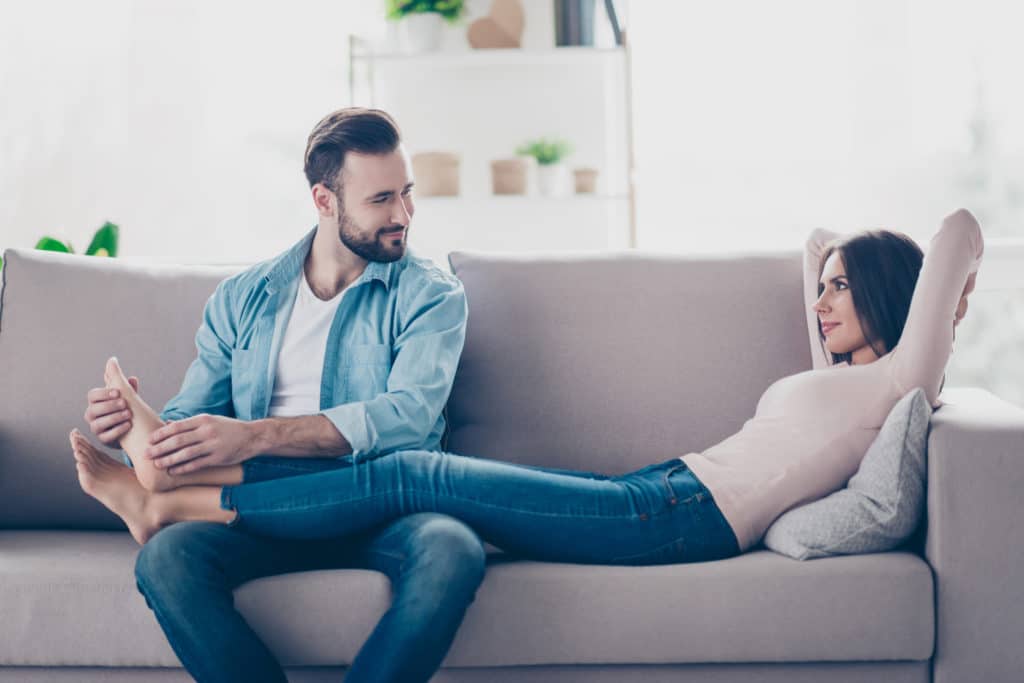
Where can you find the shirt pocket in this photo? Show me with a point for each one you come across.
(367, 367)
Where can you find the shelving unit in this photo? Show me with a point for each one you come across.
(482, 104)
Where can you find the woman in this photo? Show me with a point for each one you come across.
(884, 314)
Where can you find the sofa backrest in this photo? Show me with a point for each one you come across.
(603, 362)
(609, 362)
(61, 317)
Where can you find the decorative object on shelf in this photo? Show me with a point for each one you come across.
(552, 173)
(585, 180)
(574, 22)
(420, 21)
(502, 27)
(436, 173)
(104, 243)
(512, 176)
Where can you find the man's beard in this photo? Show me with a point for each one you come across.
(378, 247)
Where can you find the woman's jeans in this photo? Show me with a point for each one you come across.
(656, 515)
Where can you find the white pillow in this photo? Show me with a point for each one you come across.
(881, 505)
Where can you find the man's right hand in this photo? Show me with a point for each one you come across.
(108, 415)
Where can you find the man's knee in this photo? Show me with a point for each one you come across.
(445, 549)
(170, 558)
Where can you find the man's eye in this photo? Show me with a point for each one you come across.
(380, 201)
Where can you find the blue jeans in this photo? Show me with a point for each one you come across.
(656, 515)
(187, 573)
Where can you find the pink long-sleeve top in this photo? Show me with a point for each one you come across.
(811, 430)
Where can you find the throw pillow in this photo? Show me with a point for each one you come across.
(882, 503)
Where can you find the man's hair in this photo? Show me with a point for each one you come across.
(882, 268)
(352, 129)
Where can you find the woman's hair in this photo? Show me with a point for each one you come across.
(882, 268)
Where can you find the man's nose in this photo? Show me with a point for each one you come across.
(402, 215)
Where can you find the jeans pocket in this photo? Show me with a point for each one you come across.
(682, 486)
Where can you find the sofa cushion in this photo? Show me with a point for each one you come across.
(61, 317)
(609, 362)
(69, 599)
(883, 502)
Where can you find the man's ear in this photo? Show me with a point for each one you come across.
(324, 200)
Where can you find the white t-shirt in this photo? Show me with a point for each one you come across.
(300, 362)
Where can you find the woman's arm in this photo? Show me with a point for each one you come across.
(954, 254)
(813, 250)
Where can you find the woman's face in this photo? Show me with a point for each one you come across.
(838, 316)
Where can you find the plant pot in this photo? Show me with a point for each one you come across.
(585, 180)
(437, 174)
(421, 32)
(512, 176)
(553, 180)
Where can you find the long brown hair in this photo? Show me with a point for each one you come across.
(882, 268)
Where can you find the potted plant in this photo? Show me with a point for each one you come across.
(552, 174)
(104, 243)
(420, 21)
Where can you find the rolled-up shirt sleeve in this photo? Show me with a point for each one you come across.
(425, 357)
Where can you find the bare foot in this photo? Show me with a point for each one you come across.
(114, 485)
(145, 421)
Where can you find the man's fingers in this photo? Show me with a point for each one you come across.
(101, 393)
(102, 408)
(183, 456)
(112, 436)
(102, 424)
(172, 444)
(191, 466)
(171, 428)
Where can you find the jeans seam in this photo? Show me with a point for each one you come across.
(154, 604)
(225, 499)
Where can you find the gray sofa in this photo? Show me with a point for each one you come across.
(601, 362)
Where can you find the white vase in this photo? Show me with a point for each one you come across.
(421, 32)
(553, 180)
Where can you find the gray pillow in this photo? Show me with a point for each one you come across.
(882, 503)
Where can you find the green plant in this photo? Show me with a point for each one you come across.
(104, 243)
(545, 151)
(451, 10)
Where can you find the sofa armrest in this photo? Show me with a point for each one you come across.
(975, 537)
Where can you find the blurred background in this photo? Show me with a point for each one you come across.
(738, 125)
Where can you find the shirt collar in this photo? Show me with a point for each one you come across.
(289, 265)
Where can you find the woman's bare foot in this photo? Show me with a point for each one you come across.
(145, 421)
(114, 485)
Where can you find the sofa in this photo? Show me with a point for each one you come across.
(604, 362)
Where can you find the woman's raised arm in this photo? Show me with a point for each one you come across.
(954, 253)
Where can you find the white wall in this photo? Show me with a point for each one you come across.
(183, 121)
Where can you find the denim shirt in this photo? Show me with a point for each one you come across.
(392, 350)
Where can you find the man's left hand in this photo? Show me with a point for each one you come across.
(201, 441)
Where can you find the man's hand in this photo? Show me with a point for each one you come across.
(108, 415)
(201, 441)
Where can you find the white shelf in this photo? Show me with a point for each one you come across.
(520, 198)
(558, 56)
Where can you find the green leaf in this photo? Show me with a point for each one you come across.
(53, 244)
(104, 242)
(545, 151)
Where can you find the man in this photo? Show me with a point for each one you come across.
(344, 345)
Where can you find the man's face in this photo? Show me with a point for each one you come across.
(375, 204)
